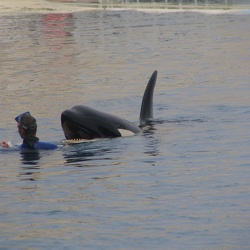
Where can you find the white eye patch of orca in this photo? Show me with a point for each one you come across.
(125, 132)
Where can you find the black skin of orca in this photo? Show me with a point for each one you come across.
(81, 122)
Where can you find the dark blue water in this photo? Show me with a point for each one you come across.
(181, 184)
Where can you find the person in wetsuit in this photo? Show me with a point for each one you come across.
(27, 128)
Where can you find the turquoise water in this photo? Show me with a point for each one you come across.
(181, 184)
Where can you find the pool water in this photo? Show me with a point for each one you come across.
(183, 183)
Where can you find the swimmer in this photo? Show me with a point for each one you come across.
(27, 128)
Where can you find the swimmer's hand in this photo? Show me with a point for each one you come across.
(5, 144)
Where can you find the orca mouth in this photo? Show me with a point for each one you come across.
(74, 131)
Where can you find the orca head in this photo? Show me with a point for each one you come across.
(73, 129)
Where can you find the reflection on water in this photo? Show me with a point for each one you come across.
(30, 161)
(30, 157)
(181, 183)
(83, 153)
(29, 174)
(57, 30)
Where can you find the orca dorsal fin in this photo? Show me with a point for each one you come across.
(147, 100)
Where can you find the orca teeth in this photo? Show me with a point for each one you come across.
(74, 141)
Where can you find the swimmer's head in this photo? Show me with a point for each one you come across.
(27, 122)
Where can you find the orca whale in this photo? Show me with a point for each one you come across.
(82, 122)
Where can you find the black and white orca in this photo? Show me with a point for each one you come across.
(84, 123)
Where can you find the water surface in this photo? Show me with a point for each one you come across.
(181, 184)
